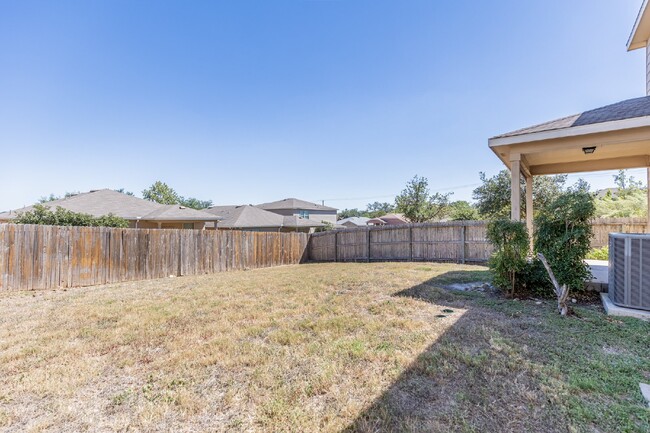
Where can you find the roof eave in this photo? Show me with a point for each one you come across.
(595, 128)
(642, 23)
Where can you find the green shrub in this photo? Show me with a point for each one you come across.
(511, 243)
(598, 254)
(563, 234)
(62, 217)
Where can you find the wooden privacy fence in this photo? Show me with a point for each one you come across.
(45, 257)
(602, 227)
(458, 241)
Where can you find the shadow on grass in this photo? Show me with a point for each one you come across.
(466, 380)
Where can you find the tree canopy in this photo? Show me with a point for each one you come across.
(43, 215)
(493, 196)
(417, 203)
(162, 193)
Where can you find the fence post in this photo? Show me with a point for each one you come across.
(410, 242)
(368, 246)
(463, 236)
(336, 246)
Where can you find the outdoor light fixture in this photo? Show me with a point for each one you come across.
(589, 150)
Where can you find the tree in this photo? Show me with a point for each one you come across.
(510, 241)
(123, 191)
(162, 193)
(377, 209)
(348, 213)
(462, 211)
(493, 196)
(43, 215)
(563, 236)
(52, 197)
(418, 204)
(195, 203)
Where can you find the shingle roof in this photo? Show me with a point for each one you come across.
(246, 216)
(357, 221)
(106, 201)
(294, 203)
(174, 212)
(629, 109)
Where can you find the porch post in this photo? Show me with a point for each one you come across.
(515, 189)
(647, 228)
(529, 207)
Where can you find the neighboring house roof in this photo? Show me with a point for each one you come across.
(357, 221)
(174, 212)
(629, 109)
(390, 219)
(296, 222)
(106, 201)
(294, 203)
(246, 216)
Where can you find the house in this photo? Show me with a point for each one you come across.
(140, 213)
(353, 222)
(613, 137)
(391, 219)
(252, 218)
(302, 209)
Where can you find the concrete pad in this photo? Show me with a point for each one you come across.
(600, 271)
(615, 310)
(645, 392)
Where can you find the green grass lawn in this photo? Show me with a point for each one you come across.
(378, 347)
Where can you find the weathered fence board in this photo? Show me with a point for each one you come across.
(602, 227)
(458, 241)
(461, 241)
(44, 257)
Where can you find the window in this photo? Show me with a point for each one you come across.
(304, 214)
(188, 225)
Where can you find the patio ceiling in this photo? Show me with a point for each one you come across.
(608, 138)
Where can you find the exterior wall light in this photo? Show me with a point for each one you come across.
(589, 150)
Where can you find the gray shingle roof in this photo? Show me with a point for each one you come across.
(174, 212)
(106, 201)
(294, 203)
(246, 216)
(357, 221)
(629, 109)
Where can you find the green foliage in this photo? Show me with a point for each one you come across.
(62, 217)
(630, 204)
(629, 199)
(462, 211)
(418, 204)
(373, 210)
(493, 196)
(123, 191)
(377, 209)
(52, 197)
(162, 193)
(563, 234)
(511, 244)
(598, 254)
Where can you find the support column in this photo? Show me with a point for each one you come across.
(647, 228)
(529, 208)
(515, 189)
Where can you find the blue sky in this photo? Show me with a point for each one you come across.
(253, 101)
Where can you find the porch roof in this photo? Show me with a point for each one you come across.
(618, 133)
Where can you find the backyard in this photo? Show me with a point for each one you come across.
(322, 347)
